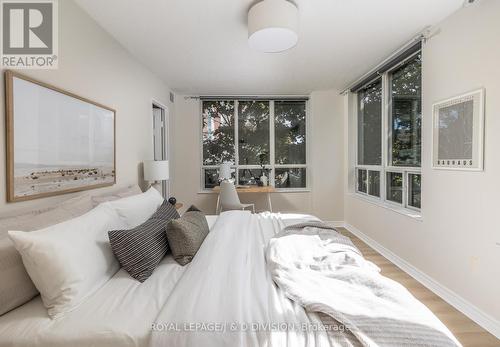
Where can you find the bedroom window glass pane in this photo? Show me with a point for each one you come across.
(415, 185)
(406, 114)
(290, 132)
(362, 181)
(395, 187)
(370, 124)
(290, 178)
(218, 132)
(249, 177)
(253, 132)
(211, 178)
(374, 183)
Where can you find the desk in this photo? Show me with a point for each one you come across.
(249, 189)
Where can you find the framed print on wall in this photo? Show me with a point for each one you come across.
(57, 142)
(458, 132)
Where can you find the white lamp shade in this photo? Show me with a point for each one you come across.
(225, 171)
(156, 170)
(273, 26)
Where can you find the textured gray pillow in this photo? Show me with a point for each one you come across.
(193, 208)
(186, 234)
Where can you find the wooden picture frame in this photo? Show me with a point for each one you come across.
(54, 169)
(458, 132)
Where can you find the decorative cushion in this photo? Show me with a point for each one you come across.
(16, 287)
(140, 250)
(136, 209)
(166, 212)
(186, 234)
(69, 261)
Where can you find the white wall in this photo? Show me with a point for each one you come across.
(92, 64)
(458, 241)
(326, 160)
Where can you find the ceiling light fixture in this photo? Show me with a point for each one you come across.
(273, 26)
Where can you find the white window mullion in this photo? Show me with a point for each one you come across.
(385, 139)
(236, 149)
(271, 143)
(405, 189)
(291, 166)
(386, 136)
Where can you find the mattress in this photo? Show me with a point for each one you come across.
(118, 314)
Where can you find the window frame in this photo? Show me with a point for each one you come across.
(272, 165)
(386, 141)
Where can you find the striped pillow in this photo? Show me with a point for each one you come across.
(140, 250)
(166, 212)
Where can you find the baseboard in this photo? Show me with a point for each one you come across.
(477, 315)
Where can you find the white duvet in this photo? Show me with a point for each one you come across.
(117, 315)
(324, 272)
(227, 298)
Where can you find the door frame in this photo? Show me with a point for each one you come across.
(166, 133)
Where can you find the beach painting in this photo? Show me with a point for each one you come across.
(57, 142)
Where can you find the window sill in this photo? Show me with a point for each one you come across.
(278, 190)
(415, 215)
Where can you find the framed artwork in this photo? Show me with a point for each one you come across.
(458, 132)
(57, 142)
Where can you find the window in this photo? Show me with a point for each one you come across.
(415, 183)
(406, 114)
(253, 132)
(374, 183)
(362, 183)
(370, 138)
(395, 187)
(370, 124)
(391, 175)
(259, 137)
(218, 132)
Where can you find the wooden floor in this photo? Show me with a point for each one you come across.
(464, 329)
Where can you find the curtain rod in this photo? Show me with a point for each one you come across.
(422, 36)
(248, 97)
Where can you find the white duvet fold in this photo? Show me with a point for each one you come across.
(324, 272)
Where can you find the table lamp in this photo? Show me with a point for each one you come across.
(156, 171)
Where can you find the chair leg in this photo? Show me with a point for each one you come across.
(217, 207)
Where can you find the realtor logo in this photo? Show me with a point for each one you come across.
(29, 34)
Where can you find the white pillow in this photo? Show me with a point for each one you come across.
(116, 194)
(69, 261)
(136, 209)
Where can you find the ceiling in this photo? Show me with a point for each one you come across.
(200, 46)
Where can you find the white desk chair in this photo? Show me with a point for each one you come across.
(229, 199)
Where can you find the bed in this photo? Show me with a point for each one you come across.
(228, 296)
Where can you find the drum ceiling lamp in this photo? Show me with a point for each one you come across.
(273, 26)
